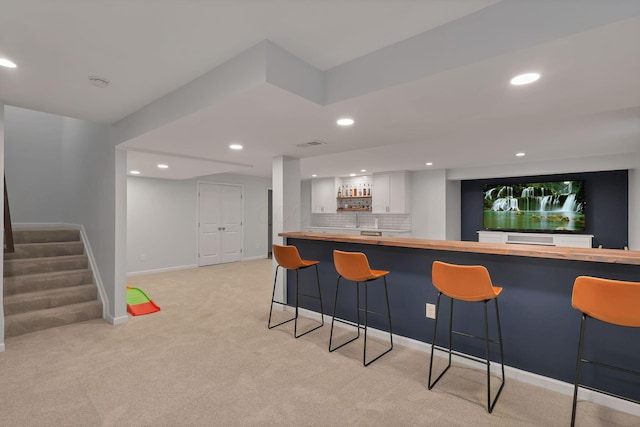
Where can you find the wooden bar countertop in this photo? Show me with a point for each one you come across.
(615, 256)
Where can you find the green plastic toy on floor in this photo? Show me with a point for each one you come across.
(139, 303)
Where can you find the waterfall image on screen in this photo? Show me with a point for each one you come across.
(541, 206)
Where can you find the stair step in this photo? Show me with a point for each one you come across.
(43, 281)
(39, 250)
(22, 303)
(15, 267)
(44, 235)
(19, 324)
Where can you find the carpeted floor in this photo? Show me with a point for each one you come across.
(208, 359)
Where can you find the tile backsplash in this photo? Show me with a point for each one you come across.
(364, 219)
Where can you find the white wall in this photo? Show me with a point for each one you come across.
(453, 212)
(33, 166)
(162, 217)
(305, 203)
(161, 224)
(634, 206)
(89, 162)
(429, 204)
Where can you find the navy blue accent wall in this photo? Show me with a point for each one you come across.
(540, 328)
(606, 207)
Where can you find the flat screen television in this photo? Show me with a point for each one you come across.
(553, 206)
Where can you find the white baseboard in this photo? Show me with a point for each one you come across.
(1, 347)
(117, 320)
(253, 258)
(509, 372)
(182, 267)
(161, 270)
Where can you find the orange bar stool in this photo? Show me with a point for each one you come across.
(611, 301)
(288, 258)
(466, 283)
(354, 266)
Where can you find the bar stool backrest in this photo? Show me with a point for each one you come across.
(463, 282)
(352, 266)
(612, 301)
(287, 257)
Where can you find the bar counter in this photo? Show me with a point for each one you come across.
(540, 328)
(537, 251)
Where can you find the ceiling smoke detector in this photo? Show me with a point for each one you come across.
(311, 144)
(100, 82)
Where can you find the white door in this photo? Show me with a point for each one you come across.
(210, 227)
(219, 223)
(231, 247)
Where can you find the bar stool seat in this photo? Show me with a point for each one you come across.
(288, 258)
(611, 301)
(470, 283)
(354, 266)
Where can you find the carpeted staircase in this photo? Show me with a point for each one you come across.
(47, 282)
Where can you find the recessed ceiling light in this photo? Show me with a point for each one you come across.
(352, 174)
(163, 166)
(100, 82)
(520, 154)
(235, 146)
(429, 164)
(314, 175)
(134, 172)
(363, 170)
(345, 122)
(525, 79)
(6, 63)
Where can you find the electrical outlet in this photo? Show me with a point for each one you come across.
(431, 311)
(142, 257)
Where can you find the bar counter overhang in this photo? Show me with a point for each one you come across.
(540, 328)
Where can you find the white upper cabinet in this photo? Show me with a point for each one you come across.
(323, 195)
(391, 193)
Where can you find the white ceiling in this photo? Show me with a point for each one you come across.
(426, 81)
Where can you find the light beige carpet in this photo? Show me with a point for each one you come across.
(208, 359)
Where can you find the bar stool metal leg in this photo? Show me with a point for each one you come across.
(433, 342)
(273, 296)
(490, 408)
(319, 297)
(578, 366)
(333, 318)
(295, 318)
(366, 311)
